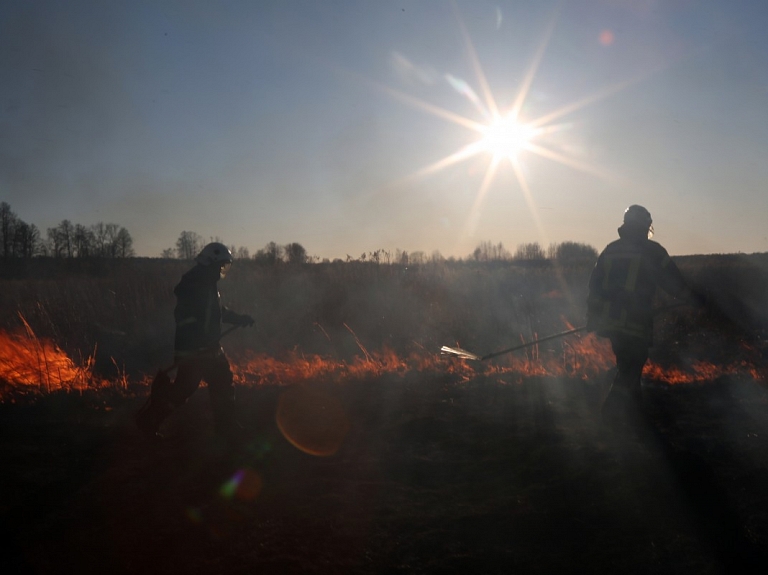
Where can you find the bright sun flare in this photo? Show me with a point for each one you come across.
(506, 137)
(502, 135)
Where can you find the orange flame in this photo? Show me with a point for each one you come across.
(38, 365)
(32, 364)
(583, 357)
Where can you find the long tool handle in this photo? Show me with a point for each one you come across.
(574, 330)
(534, 342)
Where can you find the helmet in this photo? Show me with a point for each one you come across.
(214, 253)
(638, 217)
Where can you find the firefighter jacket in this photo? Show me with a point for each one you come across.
(623, 285)
(198, 311)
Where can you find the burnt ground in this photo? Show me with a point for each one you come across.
(434, 476)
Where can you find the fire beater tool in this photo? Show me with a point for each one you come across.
(464, 354)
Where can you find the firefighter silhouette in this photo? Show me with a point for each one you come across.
(198, 354)
(622, 288)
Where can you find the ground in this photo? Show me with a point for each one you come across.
(433, 475)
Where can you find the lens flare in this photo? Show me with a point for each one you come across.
(312, 420)
(244, 485)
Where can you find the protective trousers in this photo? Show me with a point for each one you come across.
(213, 368)
(622, 405)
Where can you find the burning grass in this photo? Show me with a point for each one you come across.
(584, 357)
(31, 365)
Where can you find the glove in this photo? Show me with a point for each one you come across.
(244, 320)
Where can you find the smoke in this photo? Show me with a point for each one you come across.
(63, 109)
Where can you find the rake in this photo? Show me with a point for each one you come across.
(464, 354)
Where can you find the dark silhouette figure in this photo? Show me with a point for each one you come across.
(622, 288)
(198, 354)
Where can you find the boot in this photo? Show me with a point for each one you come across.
(150, 417)
(157, 407)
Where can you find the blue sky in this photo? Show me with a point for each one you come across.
(313, 122)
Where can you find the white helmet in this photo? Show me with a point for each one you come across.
(214, 253)
(638, 217)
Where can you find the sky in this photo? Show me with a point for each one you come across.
(353, 126)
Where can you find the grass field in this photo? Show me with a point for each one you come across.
(431, 465)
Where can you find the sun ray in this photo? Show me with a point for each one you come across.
(587, 100)
(474, 211)
(553, 128)
(463, 154)
(529, 199)
(531, 74)
(432, 109)
(486, 88)
(571, 162)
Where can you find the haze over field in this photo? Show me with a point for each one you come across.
(353, 126)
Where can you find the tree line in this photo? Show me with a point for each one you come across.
(19, 239)
(573, 252)
(189, 244)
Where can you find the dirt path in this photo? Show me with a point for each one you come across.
(433, 477)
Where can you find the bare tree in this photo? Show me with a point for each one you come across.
(112, 232)
(269, 254)
(241, 253)
(295, 253)
(124, 244)
(488, 251)
(572, 252)
(188, 245)
(168, 253)
(18, 239)
(84, 242)
(26, 243)
(101, 238)
(417, 258)
(61, 239)
(8, 221)
(529, 252)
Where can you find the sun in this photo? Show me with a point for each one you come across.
(506, 137)
(500, 133)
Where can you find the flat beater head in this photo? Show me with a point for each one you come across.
(458, 352)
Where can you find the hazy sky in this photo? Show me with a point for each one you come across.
(325, 123)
